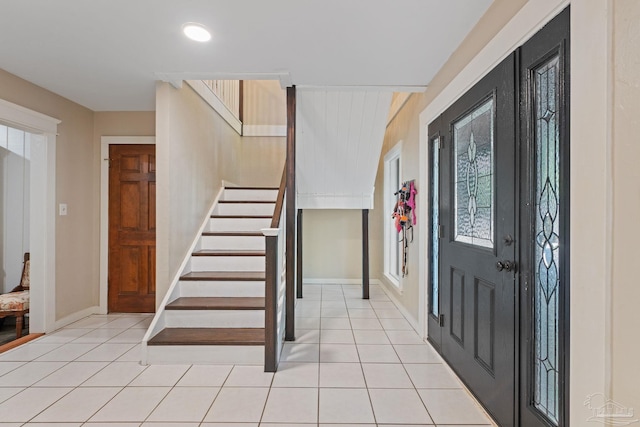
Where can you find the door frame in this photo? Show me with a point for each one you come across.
(42, 185)
(105, 142)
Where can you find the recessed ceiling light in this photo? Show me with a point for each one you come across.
(197, 32)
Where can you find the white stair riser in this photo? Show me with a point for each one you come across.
(205, 354)
(190, 288)
(233, 242)
(239, 224)
(231, 194)
(214, 318)
(245, 209)
(227, 263)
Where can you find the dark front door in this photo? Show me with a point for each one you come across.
(132, 228)
(476, 245)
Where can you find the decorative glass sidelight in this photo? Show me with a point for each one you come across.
(473, 145)
(547, 239)
(435, 205)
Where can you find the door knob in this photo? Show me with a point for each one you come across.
(506, 265)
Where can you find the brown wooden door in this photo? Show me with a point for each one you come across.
(132, 228)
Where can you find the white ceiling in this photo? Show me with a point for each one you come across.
(107, 54)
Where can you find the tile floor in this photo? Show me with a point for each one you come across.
(354, 362)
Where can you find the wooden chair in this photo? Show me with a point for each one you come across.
(16, 303)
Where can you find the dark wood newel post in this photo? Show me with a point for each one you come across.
(299, 256)
(271, 302)
(290, 326)
(365, 253)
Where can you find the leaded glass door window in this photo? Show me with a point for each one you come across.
(473, 150)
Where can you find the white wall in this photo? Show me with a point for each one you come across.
(14, 203)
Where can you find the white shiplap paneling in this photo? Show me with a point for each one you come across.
(339, 135)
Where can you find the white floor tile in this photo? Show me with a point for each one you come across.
(98, 336)
(28, 352)
(308, 312)
(334, 312)
(331, 336)
(404, 337)
(370, 337)
(341, 375)
(296, 375)
(280, 410)
(71, 375)
(91, 322)
(156, 424)
(388, 313)
(377, 353)
(66, 353)
(249, 376)
(369, 324)
(386, 375)
(29, 374)
(334, 304)
(116, 374)
(338, 353)
(452, 407)
(96, 424)
(229, 425)
(144, 324)
(62, 336)
(238, 404)
(385, 305)
(6, 367)
(362, 313)
(132, 335)
(417, 354)
(160, 376)
(133, 355)
(398, 407)
(186, 404)
(307, 336)
(349, 425)
(29, 403)
(79, 405)
(345, 406)
(123, 322)
(131, 404)
(48, 425)
(8, 392)
(300, 353)
(335, 323)
(396, 325)
(432, 375)
(356, 303)
(106, 352)
(308, 322)
(205, 376)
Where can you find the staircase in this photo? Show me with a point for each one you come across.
(216, 311)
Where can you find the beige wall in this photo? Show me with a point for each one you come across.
(76, 233)
(265, 103)
(626, 204)
(196, 150)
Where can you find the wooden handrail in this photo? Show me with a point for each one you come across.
(277, 211)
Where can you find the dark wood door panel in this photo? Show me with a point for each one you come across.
(132, 228)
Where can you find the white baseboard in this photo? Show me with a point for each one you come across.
(412, 320)
(74, 317)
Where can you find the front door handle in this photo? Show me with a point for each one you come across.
(506, 265)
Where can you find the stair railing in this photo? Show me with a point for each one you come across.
(275, 282)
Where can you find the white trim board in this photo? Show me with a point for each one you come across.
(42, 221)
(105, 141)
(74, 317)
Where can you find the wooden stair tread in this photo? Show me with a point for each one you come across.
(209, 336)
(242, 216)
(217, 303)
(227, 276)
(251, 188)
(227, 252)
(233, 233)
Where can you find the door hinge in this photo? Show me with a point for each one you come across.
(440, 143)
(108, 160)
(440, 231)
(441, 320)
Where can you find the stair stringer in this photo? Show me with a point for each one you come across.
(158, 323)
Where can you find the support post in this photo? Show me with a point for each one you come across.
(299, 256)
(290, 327)
(365, 253)
(271, 302)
